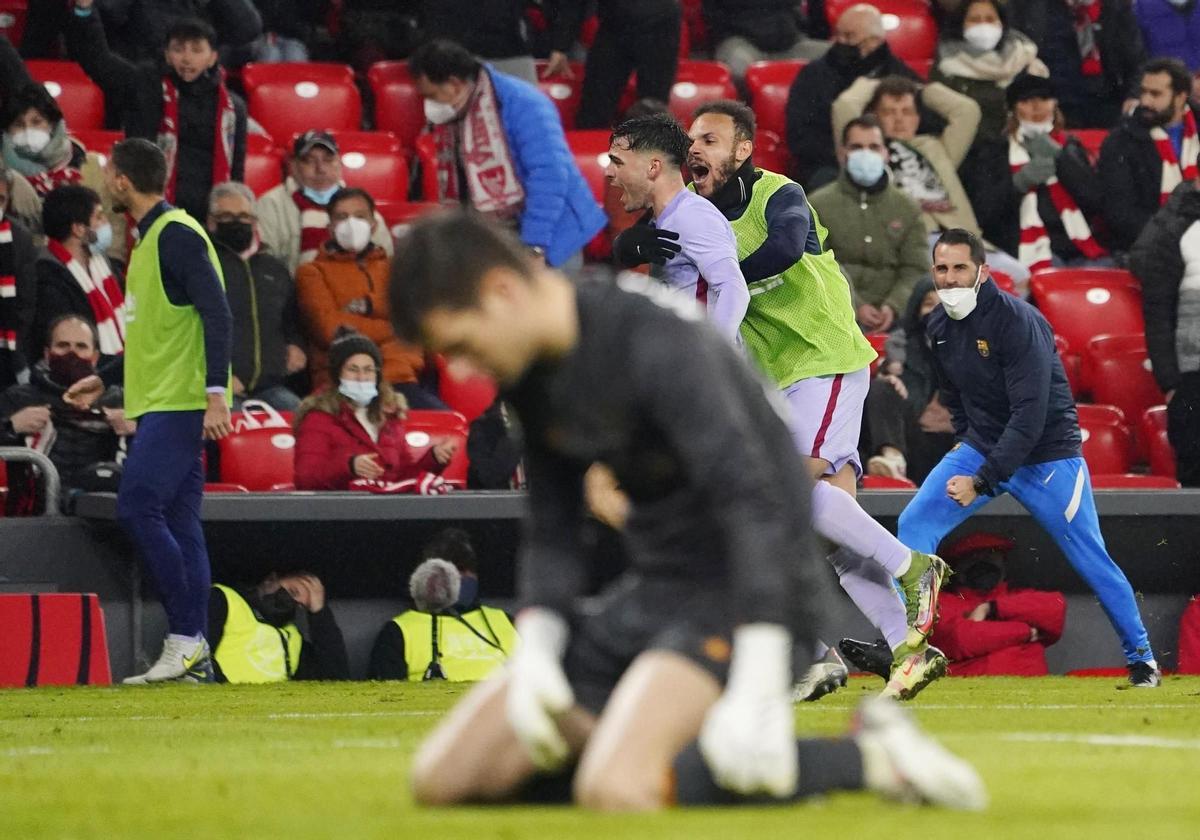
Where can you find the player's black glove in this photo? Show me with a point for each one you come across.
(645, 244)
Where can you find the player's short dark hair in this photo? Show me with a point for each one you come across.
(440, 60)
(894, 86)
(34, 96)
(655, 132)
(440, 262)
(744, 123)
(350, 192)
(867, 121)
(70, 204)
(958, 236)
(454, 546)
(1181, 79)
(188, 29)
(143, 163)
(73, 316)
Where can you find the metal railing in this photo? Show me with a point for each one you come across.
(51, 481)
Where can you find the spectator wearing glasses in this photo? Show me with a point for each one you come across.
(267, 346)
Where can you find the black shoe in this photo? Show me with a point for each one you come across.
(872, 657)
(1142, 675)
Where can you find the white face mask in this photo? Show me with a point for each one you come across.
(31, 139)
(360, 393)
(960, 302)
(984, 36)
(439, 113)
(352, 234)
(1030, 129)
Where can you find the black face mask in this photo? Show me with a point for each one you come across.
(68, 368)
(277, 608)
(237, 235)
(845, 57)
(982, 576)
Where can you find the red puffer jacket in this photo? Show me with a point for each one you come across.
(325, 443)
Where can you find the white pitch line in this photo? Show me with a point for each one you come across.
(1033, 707)
(1104, 740)
(272, 716)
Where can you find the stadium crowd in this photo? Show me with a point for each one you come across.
(305, 136)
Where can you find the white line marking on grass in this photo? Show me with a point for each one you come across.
(366, 744)
(272, 716)
(1033, 707)
(290, 715)
(1104, 740)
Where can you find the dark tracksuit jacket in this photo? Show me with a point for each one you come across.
(720, 501)
(1004, 385)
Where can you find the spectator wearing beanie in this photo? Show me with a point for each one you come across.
(1033, 188)
(347, 286)
(354, 428)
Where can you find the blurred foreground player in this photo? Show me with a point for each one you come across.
(1018, 432)
(674, 684)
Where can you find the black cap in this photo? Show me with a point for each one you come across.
(346, 343)
(306, 141)
(1028, 86)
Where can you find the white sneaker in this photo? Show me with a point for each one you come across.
(825, 677)
(892, 465)
(180, 661)
(924, 771)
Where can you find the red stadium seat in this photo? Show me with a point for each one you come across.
(289, 98)
(1106, 448)
(877, 340)
(1121, 376)
(437, 425)
(264, 164)
(697, 82)
(398, 106)
(1133, 481)
(1094, 414)
(398, 214)
(425, 153)
(563, 92)
(12, 20)
(375, 162)
(920, 66)
(1003, 281)
(1083, 303)
(98, 140)
(223, 487)
(80, 100)
(1092, 139)
(886, 482)
(469, 396)
(258, 458)
(770, 152)
(1153, 430)
(769, 83)
(1070, 363)
(591, 156)
(1103, 346)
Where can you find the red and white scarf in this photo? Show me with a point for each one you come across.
(8, 289)
(314, 225)
(56, 176)
(478, 143)
(1087, 23)
(103, 294)
(1172, 176)
(225, 128)
(1034, 250)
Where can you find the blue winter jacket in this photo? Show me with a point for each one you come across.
(560, 214)
(1170, 31)
(1004, 385)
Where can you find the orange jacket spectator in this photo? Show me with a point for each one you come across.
(986, 628)
(338, 289)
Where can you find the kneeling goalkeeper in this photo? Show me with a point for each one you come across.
(674, 685)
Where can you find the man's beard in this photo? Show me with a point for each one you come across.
(725, 171)
(1153, 118)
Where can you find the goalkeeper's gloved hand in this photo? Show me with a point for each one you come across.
(645, 244)
(748, 738)
(538, 690)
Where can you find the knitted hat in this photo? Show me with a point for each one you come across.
(974, 543)
(347, 343)
(1028, 86)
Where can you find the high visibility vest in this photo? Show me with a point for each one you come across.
(252, 651)
(465, 657)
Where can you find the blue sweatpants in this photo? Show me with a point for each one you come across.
(159, 506)
(1059, 496)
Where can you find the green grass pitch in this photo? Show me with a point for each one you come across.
(1062, 758)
